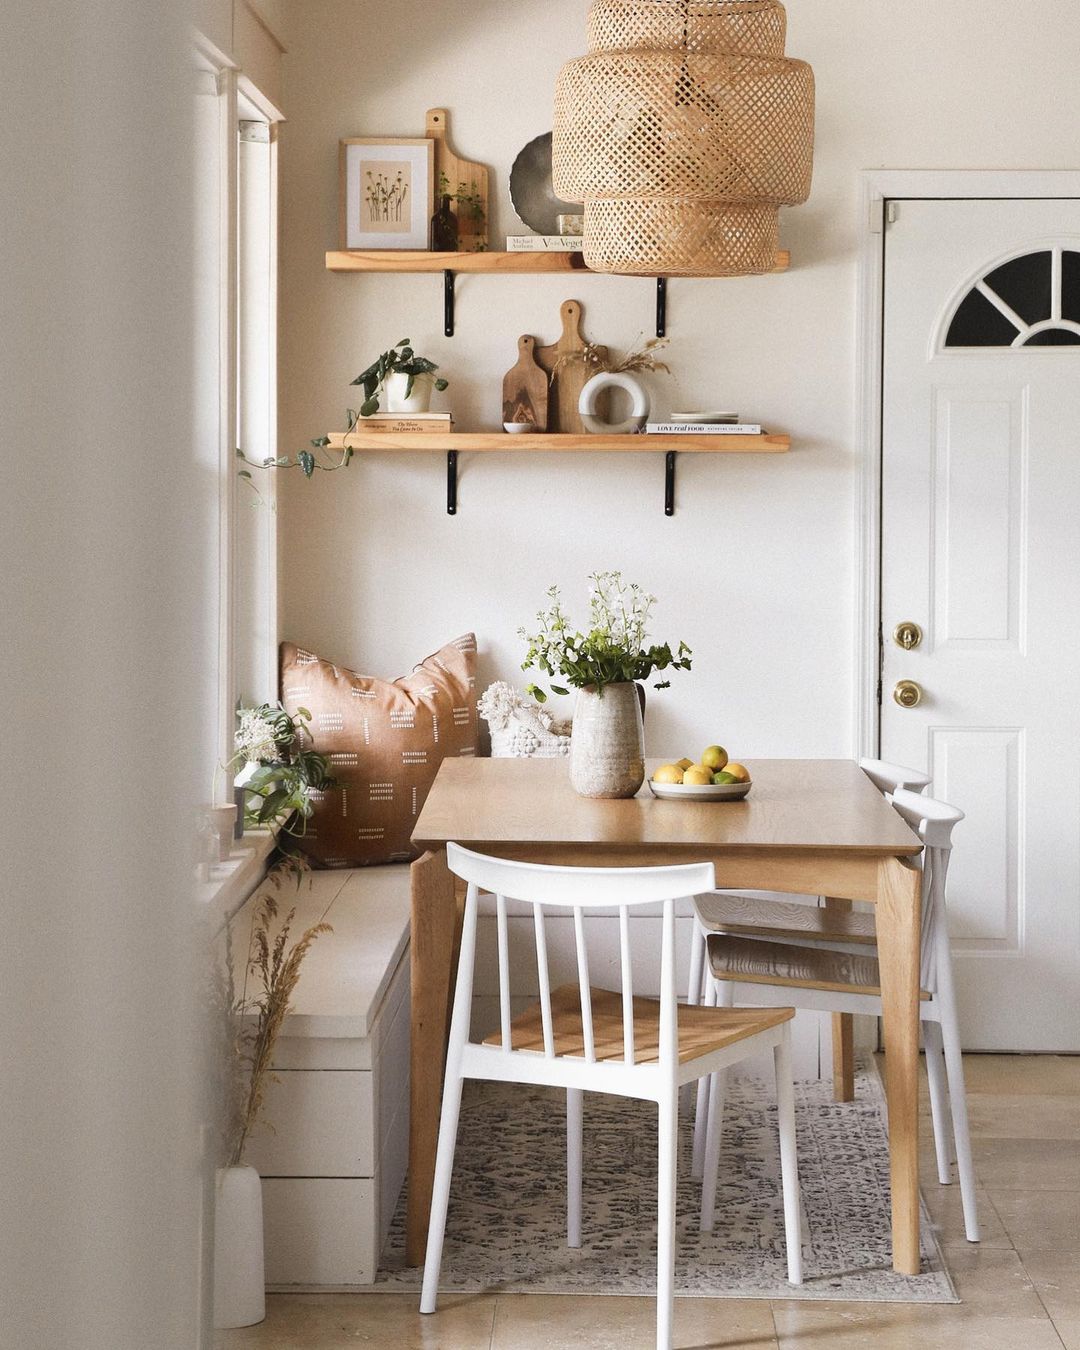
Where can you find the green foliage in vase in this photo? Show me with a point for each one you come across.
(399, 360)
(612, 651)
(286, 774)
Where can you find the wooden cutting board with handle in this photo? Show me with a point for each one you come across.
(571, 376)
(460, 178)
(525, 388)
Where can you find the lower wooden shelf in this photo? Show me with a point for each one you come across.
(500, 442)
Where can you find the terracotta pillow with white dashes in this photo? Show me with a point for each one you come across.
(385, 740)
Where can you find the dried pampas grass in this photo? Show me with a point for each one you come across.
(641, 359)
(257, 1020)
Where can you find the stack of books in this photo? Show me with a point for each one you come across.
(429, 423)
(702, 429)
(544, 243)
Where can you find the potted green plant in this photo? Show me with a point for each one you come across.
(604, 664)
(403, 378)
(280, 773)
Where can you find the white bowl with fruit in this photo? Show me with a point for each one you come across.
(712, 778)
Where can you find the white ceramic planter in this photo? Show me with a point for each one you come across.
(607, 742)
(223, 823)
(590, 397)
(419, 401)
(239, 1271)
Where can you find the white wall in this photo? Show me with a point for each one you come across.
(755, 570)
(101, 531)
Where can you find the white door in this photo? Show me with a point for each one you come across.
(981, 550)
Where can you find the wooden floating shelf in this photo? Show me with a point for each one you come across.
(451, 264)
(403, 260)
(501, 442)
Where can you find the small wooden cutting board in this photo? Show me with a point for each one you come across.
(525, 388)
(462, 176)
(573, 375)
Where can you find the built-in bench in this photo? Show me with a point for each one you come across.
(334, 1165)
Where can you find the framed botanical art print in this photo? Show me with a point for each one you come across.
(387, 192)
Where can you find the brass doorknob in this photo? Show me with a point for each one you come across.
(908, 694)
(907, 635)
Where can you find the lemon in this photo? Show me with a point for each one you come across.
(685, 763)
(715, 758)
(668, 773)
(739, 772)
(697, 775)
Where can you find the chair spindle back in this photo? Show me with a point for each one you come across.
(578, 890)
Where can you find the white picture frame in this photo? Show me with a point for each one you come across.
(387, 189)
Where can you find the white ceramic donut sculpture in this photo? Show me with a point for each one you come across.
(639, 411)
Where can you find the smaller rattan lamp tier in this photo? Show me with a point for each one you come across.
(683, 132)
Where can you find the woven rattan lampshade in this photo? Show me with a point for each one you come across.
(683, 131)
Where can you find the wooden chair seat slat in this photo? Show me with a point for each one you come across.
(749, 961)
(747, 916)
(701, 1030)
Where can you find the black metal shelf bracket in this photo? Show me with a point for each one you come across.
(661, 306)
(448, 302)
(669, 484)
(451, 482)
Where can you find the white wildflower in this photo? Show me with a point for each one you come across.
(254, 738)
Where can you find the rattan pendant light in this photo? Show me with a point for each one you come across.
(683, 131)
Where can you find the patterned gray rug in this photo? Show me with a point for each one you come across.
(507, 1204)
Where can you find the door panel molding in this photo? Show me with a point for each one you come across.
(979, 442)
(879, 188)
(965, 761)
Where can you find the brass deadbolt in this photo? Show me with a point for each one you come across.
(907, 635)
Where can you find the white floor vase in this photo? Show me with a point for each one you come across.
(239, 1272)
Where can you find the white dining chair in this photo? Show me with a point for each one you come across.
(776, 917)
(844, 977)
(584, 1039)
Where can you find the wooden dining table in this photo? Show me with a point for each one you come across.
(808, 827)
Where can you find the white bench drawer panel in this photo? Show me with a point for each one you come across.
(319, 1231)
(323, 1126)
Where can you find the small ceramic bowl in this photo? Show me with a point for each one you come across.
(518, 428)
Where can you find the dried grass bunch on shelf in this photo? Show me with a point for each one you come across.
(640, 359)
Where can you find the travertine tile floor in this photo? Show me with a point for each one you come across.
(1020, 1287)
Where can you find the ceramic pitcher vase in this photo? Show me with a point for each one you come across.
(607, 742)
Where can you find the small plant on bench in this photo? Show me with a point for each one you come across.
(285, 775)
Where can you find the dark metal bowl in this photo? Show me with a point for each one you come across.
(532, 192)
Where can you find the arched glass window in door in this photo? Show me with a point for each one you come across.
(1033, 300)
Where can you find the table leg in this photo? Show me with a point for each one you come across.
(898, 921)
(843, 1033)
(434, 917)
